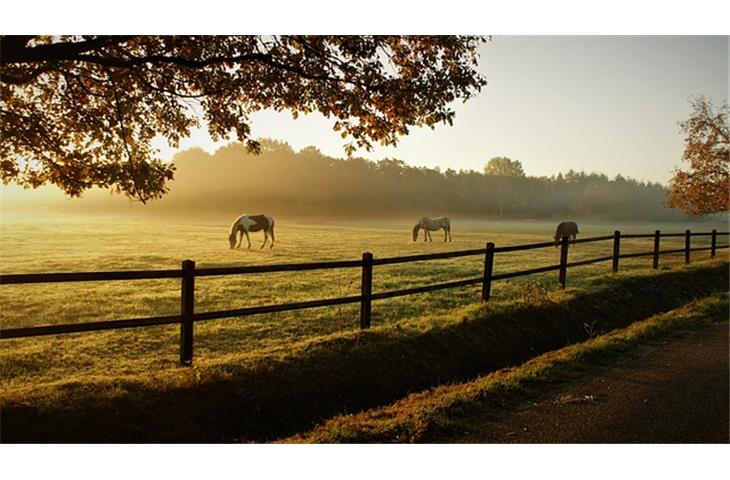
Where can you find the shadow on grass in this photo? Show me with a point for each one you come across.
(348, 373)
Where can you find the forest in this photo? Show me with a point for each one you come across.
(310, 184)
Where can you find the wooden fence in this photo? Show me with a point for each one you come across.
(187, 317)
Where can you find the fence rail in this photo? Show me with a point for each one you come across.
(427, 256)
(188, 273)
(88, 276)
(281, 267)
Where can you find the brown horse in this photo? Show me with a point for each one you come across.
(565, 229)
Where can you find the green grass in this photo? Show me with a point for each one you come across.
(432, 415)
(53, 244)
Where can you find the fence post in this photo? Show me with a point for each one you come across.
(713, 245)
(657, 236)
(366, 290)
(187, 294)
(616, 246)
(563, 260)
(686, 247)
(488, 267)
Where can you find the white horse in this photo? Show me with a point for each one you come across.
(430, 224)
(565, 229)
(251, 223)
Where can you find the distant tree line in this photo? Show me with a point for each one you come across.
(308, 183)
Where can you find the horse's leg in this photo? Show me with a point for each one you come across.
(445, 234)
(425, 235)
(272, 237)
(240, 239)
(248, 239)
(449, 234)
(429, 236)
(266, 237)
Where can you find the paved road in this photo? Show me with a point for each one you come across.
(675, 392)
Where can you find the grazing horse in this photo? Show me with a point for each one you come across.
(251, 223)
(565, 229)
(430, 224)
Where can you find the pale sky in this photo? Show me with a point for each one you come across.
(605, 104)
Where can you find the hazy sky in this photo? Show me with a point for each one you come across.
(606, 104)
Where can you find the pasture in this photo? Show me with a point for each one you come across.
(55, 244)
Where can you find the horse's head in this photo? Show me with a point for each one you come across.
(232, 239)
(415, 231)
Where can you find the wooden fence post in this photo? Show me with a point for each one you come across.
(657, 236)
(366, 290)
(713, 244)
(187, 294)
(686, 246)
(488, 267)
(563, 261)
(616, 251)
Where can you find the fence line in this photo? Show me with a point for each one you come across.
(188, 273)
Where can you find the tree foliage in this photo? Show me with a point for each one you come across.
(504, 167)
(82, 111)
(705, 187)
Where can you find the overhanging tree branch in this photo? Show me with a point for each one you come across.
(62, 81)
(14, 49)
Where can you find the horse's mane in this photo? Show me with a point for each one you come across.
(235, 222)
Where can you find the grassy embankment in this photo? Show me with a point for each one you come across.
(448, 411)
(86, 387)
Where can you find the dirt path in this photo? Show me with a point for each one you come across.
(674, 392)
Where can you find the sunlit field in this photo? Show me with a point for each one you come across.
(52, 244)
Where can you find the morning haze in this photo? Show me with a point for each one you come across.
(307, 184)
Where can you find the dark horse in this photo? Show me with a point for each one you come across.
(565, 229)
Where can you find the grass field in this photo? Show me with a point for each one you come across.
(55, 244)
